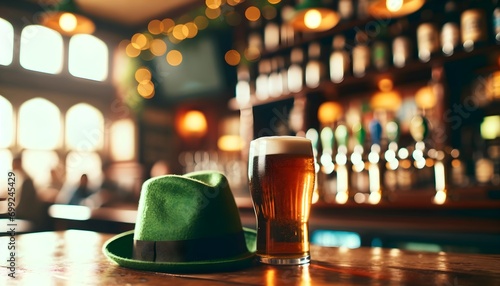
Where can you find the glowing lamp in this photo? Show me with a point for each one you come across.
(313, 16)
(66, 19)
(329, 112)
(386, 99)
(393, 8)
(230, 143)
(425, 98)
(193, 123)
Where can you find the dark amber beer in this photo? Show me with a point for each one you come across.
(281, 174)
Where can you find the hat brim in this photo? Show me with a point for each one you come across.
(119, 249)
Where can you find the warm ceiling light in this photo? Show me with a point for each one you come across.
(329, 112)
(311, 16)
(230, 143)
(393, 8)
(192, 123)
(425, 97)
(394, 5)
(66, 20)
(312, 19)
(386, 99)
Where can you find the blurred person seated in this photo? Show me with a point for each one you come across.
(75, 195)
(50, 192)
(108, 194)
(29, 205)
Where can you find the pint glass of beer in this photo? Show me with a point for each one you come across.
(281, 174)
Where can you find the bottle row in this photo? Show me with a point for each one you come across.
(473, 20)
(368, 172)
(392, 43)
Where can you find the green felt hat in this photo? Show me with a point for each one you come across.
(185, 224)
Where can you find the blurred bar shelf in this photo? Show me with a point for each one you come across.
(414, 72)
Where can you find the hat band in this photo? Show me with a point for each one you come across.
(190, 250)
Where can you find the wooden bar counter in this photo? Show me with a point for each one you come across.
(74, 257)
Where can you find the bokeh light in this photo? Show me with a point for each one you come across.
(201, 22)
(142, 74)
(269, 12)
(232, 57)
(212, 13)
(146, 89)
(158, 47)
(192, 29)
(213, 4)
(168, 25)
(174, 58)
(252, 13)
(132, 51)
(155, 27)
(180, 32)
(234, 2)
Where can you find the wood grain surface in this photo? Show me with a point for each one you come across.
(74, 257)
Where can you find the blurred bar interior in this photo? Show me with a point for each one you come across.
(401, 100)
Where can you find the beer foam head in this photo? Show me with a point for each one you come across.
(280, 145)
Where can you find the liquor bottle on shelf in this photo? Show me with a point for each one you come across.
(380, 49)
(346, 9)
(450, 31)
(427, 37)
(271, 35)
(457, 175)
(243, 88)
(362, 9)
(404, 171)
(339, 60)
(341, 166)
(314, 72)
(295, 71)
(283, 73)
(374, 173)
(327, 166)
(360, 55)
(495, 19)
(262, 80)
(473, 24)
(489, 173)
(359, 176)
(327, 142)
(423, 161)
(484, 168)
(274, 81)
(439, 175)
(401, 45)
(390, 156)
(255, 45)
(287, 33)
